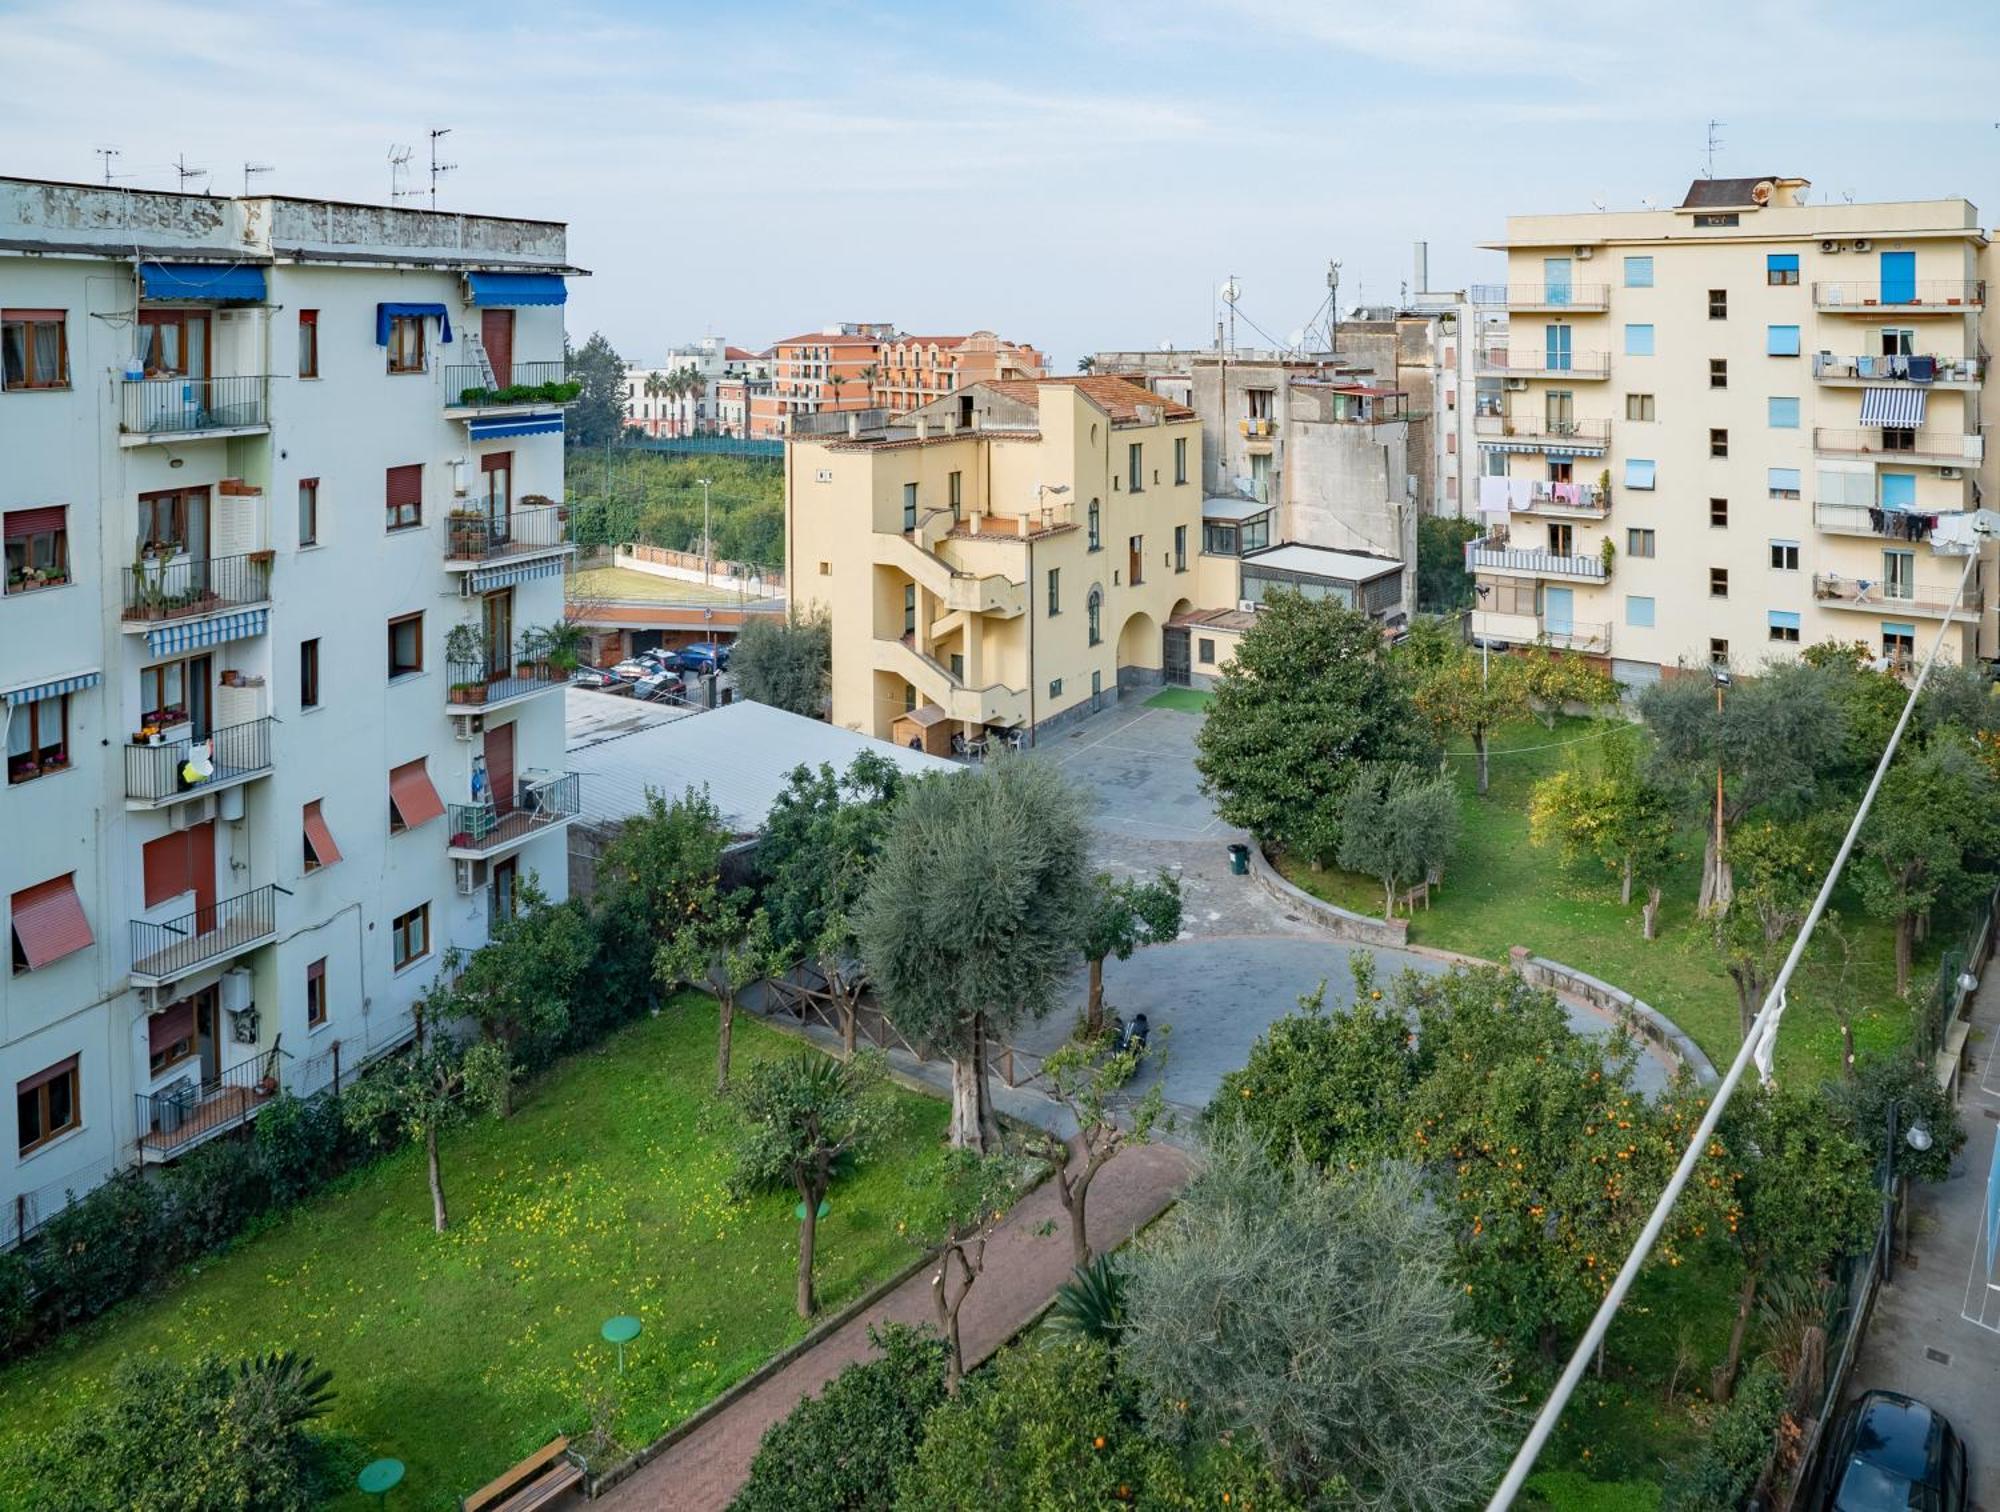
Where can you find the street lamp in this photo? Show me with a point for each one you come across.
(707, 545)
(1483, 590)
(1918, 1138)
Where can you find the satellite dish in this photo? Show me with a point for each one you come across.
(1296, 338)
(1166, 346)
(1231, 291)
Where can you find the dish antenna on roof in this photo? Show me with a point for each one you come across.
(1231, 290)
(1295, 339)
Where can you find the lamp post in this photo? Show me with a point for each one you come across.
(1918, 1138)
(1485, 652)
(707, 545)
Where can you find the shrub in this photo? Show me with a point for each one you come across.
(303, 1143)
(840, 1449)
(1726, 1468)
(99, 1250)
(1092, 1302)
(213, 1191)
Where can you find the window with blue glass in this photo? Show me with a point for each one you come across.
(1781, 268)
(1638, 341)
(1899, 490)
(1639, 472)
(1638, 272)
(1638, 611)
(1784, 625)
(1781, 341)
(1784, 413)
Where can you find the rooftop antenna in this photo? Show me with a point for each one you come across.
(438, 170)
(251, 169)
(107, 154)
(186, 173)
(1332, 306)
(1231, 291)
(399, 167)
(1714, 141)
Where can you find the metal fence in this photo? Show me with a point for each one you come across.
(472, 535)
(184, 1114)
(153, 772)
(169, 588)
(177, 946)
(176, 406)
(467, 387)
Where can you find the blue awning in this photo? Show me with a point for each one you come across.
(517, 288)
(236, 283)
(35, 692)
(1901, 408)
(194, 634)
(384, 313)
(526, 425)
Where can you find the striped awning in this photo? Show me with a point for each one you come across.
(506, 575)
(170, 639)
(1902, 408)
(35, 692)
(1570, 446)
(526, 425)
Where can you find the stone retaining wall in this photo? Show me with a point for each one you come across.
(1634, 1013)
(1362, 929)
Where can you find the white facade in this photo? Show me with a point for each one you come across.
(653, 408)
(208, 907)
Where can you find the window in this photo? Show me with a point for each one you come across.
(173, 342)
(1639, 407)
(1218, 539)
(1899, 643)
(1783, 482)
(1785, 556)
(1055, 687)
(1096, 520)
(1639, 472)
(1898, 438)
(406, 645)
(1718, 372)
(1718, 652)
(1638, 611)
(309, 673)
(1638, 341)
(1205, 651)
(48, 923)
(826, 569)
(320, 851)
(1638, 272)
(309, 511)
(1718, 304)
(503, 897)
(1781, 341)
(1718, 513)
(1899, 341)
(47, 1106)
(1180, 459)
(1718, 582)
(406, 343)
(405, 496)
(1259, 400)
(34, 349)
(1718, 442)
(309, 343)
(1135, 552)
(163, 693)
(412, 799)
(410, 936)
(1639, 543)
(174, 520)
(1055, 591)
(955, 491)
(37, 547)
(1135, 463)
(1784, 625)
(1094, 608)
(1782, 413)
(909, 608)
(170, 1036)
(38, 739)
(1180, 548)
(316, 993)
(909, 507)
(1781, 268)
(1899, 490)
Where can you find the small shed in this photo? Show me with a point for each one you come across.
(927, 729)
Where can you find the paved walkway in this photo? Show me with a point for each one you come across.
(1921, 1340)
(1023, 1269)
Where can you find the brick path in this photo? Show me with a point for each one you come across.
(1023, 1269)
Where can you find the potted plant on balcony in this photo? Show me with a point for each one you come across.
(533, 654)
(465, 531)
(565, 642)
(465, 655)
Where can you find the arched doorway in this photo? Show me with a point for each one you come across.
(1140, 651)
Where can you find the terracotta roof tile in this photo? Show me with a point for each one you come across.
(1118, 397)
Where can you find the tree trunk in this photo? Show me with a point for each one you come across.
(1388, 897)
(1479, 745)
(725, 1025)
(1093, 1015)
(1906, 929)
(1625, 882)
(1718, 878)
(1725, 1373)
(1650, 915)
(1846, 1049)
(1749, 994)
(989, 1121)
(946, 1307)
(966, 1133)
(808, 1231)
(438, 1215)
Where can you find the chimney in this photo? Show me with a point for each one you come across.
(853, 425)
(923, 428)
(1422, 269)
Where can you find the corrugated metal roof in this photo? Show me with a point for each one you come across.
(1324, 561)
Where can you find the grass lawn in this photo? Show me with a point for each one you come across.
(1503, 891)
(460, 1353)
(1186, 700)
(628, 585)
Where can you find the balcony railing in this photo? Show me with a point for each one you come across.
(1558, 296)
(474, 535)
(529, 383)
(1587, 500)
(1877, 597)
(1530, 362)
(1557, 434)
(184, 406)
(214, 933)
(1870, 520)
(1830, 367)
(479, 684)
(154, 773)
(539, 803)
(182, 1115)
(1500, 558)
(1887, 444)
(1577, 636)
(1857, 296)
(187, 587)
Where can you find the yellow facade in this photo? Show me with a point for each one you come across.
(990, 557)
(1730, 349)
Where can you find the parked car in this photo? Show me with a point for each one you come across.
(632, 670)
(704, 656)
(664, 661)
(1890, 1453)
(660, 687)
(593, 677)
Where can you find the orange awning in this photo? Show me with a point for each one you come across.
(410, 790)
(49, 921)
(319, 837)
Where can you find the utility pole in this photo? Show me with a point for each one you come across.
(707, 542)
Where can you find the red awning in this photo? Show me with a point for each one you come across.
(49, 921)
(410, 790)
(170, 1027)
(319, 837)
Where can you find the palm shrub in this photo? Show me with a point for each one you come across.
(1091, 1303)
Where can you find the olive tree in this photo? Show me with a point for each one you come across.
(1125, 913)
(1399, 825)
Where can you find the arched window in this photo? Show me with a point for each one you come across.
(1096, 537)
(1095, 604)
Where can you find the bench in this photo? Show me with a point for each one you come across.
(537, 1481)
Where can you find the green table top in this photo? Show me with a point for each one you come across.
(621, 1330)
(799, 1210)
(377, 1478)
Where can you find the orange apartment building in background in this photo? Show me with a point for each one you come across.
(914, 370)
(862, 365)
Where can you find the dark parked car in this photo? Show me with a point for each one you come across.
(665, 661)
(704, 656)
(662, 687)
(1891, 1453)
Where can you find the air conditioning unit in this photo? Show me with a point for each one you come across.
(1829, 247)
(1950, 472)
(469, 875)
(465, 726)
(1248, 606)
(1583, 254)
(1517, 385)
(1862, 244)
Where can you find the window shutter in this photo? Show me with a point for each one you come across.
(406, 485)
(26, 522)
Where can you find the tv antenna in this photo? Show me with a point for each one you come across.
(1714, 141)
(399, 165)
(186, 173)
(1332, 306)
(250, 169)
(438, 170)
(107, 154)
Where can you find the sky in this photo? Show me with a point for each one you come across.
(1076, 174)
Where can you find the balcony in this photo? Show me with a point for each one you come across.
(994, 704)
(1567, 501)
(1493, 556)
(474, 537)
(154, 775)
(177, 1118)
(161, 590)
(157, 410)
(955, 588)
(1541, 433)
(1926, 297)
(1927, 600)
(1491, 626)
(538, 804)
(1527, 298)
(1875, 371)
(1925, 447)
(533, 386)
(476, 687)
(1870, 520)
(206, 937)
(1528, 362)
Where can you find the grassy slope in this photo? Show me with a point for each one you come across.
(1503, 891)
(460, 1353)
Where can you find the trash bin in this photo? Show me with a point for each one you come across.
(1239, 860)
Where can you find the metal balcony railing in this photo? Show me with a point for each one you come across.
(155, 772)
(1888, 444)
(1859, 295)
(1589, 500)
(1533, 362)
(1872, 520)
(1878, 597)
(1533, 563)
(1577, 636)
(471, 685)
(537, 804)
(1555, 431)
(1545, 296)
(186, 587)
(181, 406)
(186, 1112)
(178, 946)
(476, 535)
(1867, 367)
(465, 386)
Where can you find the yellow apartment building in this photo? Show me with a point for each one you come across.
(1735, 428)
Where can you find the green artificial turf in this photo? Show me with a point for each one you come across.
(460, 1353)
(1186, 700)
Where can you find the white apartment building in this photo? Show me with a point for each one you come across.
(281, 516)
(658, 403)
(1736, 428)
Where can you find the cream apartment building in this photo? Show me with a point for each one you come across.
(1735, 428)
(282, 522)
